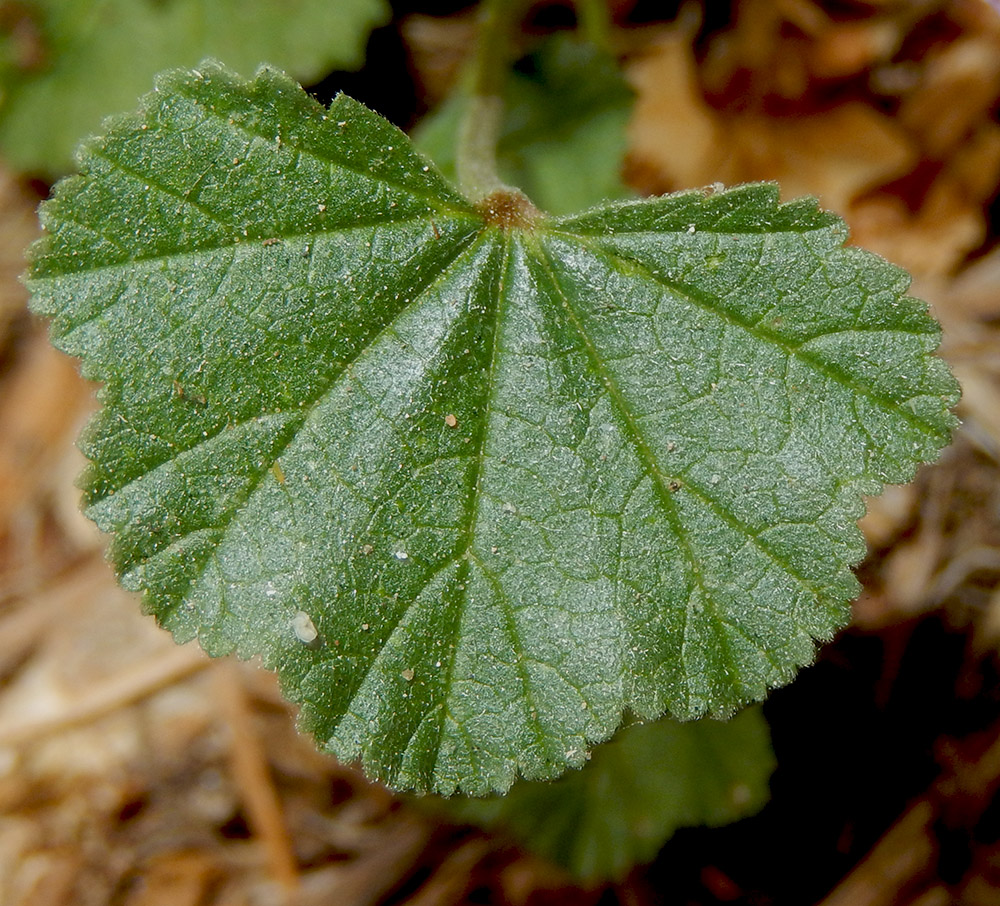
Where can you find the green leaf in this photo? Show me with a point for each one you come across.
(648, 782)
(519, 474)
(65, 64)
(567, 118)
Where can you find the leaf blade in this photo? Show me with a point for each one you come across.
(519, 481)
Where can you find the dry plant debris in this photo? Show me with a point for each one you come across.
(887, 117)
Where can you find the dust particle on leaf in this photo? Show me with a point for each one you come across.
(304, 628)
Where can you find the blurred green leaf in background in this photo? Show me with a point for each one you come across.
(65, 64)
(563, 140)
(648, 782)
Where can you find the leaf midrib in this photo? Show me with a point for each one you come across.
(642, 449)
(476, 496)
(463, 553)
(654, 470)
(236, 242)
(567, 226)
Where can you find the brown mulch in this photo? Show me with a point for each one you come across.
(137, 773)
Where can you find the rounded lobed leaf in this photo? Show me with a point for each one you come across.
(472, 486)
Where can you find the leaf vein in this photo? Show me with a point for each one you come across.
(342, 163)
(661, 481)
(241, 500)
(714, 306)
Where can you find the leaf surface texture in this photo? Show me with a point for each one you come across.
(519, 480)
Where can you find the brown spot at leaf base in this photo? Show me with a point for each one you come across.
(509, 209)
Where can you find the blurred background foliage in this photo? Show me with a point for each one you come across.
(66, 64)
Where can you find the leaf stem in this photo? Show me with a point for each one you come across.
(594, 20)
(479, 132)
(476, 159)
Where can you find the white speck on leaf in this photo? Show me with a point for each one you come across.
(304, 628)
